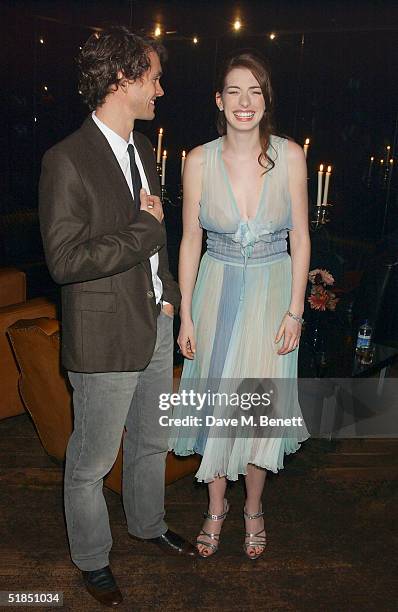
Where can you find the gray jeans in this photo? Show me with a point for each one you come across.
(105, 404)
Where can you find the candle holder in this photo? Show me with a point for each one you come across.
(159, 168)
(325, 216)
(164, 195)
(180, 195)
(321, 216)
(317, 221)
(166, 198)
(386, 174)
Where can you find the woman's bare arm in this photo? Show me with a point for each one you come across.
(300, 247)
(191, 247)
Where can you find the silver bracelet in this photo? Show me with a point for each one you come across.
(295, 317)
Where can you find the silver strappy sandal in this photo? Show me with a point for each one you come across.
(262, 539)
(213, 536)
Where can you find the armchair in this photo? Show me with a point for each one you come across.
(14, 306)
(47, 396)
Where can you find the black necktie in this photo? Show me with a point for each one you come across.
(135, 178)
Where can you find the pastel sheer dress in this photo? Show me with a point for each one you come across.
(242, 292)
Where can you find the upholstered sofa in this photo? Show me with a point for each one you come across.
(47, 396)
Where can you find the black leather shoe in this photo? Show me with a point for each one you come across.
(174, 544)
(102, 586)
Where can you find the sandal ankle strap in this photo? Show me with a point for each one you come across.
(218, 517)
(253, 516)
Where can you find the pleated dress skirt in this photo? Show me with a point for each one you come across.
(238, 306)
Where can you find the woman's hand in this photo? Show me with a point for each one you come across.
(186, 339)
(291, 330)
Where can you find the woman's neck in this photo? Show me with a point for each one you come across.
(242, 145)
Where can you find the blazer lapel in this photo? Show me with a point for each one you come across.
(148, 162)
(116, 176)
(110, 164)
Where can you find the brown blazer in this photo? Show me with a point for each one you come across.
(97, 247)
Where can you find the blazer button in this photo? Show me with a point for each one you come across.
(149, 294)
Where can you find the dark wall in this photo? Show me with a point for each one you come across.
(334, 72)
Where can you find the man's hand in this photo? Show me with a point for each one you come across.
(168, 309)
(151, 204)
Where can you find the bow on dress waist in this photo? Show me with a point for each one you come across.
(252, 243)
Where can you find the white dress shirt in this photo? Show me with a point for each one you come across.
(119, 148)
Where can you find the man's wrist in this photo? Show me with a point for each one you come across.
(167, 307)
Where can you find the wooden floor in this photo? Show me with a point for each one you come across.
(329, 518)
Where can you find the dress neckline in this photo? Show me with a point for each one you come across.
(229, 186)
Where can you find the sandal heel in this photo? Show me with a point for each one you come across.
(213, 536)
(261, 542)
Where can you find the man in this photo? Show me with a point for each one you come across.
(105, 243)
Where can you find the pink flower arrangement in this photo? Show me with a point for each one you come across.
(320, 297)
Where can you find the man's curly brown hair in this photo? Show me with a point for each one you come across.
(107, 54)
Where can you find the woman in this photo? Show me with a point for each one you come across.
(242, 316)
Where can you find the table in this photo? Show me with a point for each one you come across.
(341, 397)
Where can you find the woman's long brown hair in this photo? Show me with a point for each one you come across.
(261, 72)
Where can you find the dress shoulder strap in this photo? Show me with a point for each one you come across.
(210, 175)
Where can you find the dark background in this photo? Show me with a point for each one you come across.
(334, 68)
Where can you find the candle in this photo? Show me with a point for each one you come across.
(325, 193)
(391, 165)
(184, 155)
(381, 172)
(306, 145)
(159, 152)
(164, 159)
(320, 175)
(370, 167)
